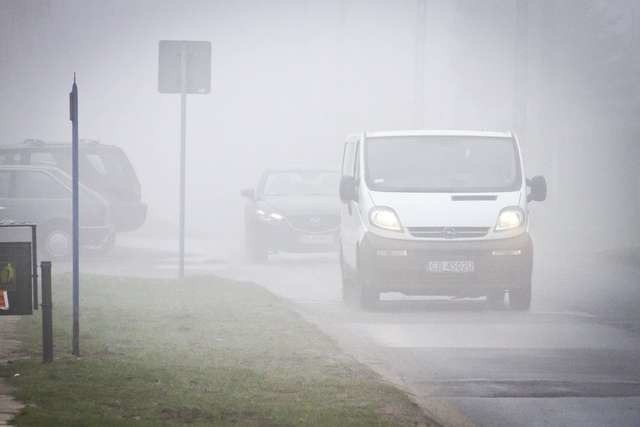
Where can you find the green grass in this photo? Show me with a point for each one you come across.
(204, 351)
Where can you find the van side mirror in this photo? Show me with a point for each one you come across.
(348, 189)
(249, 193)
(537, 189)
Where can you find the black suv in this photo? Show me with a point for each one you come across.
(42, 195)
(105, 169)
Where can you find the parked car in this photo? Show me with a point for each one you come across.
(292, 211)
(436, 213)
(105, 169)
(42, 195)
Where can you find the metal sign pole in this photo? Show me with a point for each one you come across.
(73, 97)
(183, 67)
(183, 146)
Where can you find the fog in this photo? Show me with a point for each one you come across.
(291, 79)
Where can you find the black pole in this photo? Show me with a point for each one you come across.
(34, 260)
(73, 97)
(47, 318)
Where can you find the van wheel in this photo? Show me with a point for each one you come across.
(520, 299)
(365, 295)
(56, 241)
(347, 282)
(367, 298)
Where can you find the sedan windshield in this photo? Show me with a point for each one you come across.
(449, 164)
(302, 183)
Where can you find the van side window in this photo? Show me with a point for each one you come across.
(348, 159)
(38, 185)
(356, 160)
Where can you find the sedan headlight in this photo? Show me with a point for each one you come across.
(385, 218)
(510, 219)
(269, 216)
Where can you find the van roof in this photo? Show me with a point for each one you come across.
(396, 133)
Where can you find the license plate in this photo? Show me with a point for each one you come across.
(451, 267)
(316, 239)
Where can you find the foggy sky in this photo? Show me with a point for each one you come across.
(292, 78)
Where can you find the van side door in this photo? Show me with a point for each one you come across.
(349, 216)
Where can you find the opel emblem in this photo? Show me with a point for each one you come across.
(449, 233)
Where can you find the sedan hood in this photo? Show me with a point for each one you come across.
(439, 209)
(302, 205)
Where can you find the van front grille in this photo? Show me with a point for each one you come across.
(448, 232)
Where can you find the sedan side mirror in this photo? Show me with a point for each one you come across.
(348, 189)
(538, 189)
(249, 193)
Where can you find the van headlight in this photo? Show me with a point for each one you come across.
(510, 219)
(385, 218)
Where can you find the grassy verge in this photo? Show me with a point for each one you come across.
(205, 351)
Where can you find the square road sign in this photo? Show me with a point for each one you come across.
(184, 66)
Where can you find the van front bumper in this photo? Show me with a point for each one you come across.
(404, 265)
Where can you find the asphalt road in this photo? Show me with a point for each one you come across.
(572, 361)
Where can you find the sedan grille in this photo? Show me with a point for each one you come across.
(314, 223)
(448, 232)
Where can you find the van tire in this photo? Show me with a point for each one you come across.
(495, 300)
(347, 283)
(520, 298)
(56, 241)
(366, 296)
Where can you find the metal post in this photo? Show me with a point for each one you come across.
(183, 144)
(47, 318)
(419, 69)
(34, 255)
(521, 69)
(76, 215)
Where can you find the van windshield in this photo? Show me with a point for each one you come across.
(451, 164)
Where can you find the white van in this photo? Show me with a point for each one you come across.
(436, 213)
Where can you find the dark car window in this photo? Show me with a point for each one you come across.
(43, 158)
(5, 177)
(38, 185)
(113, 164)
(9, 158)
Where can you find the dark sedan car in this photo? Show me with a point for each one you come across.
(292, 211)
